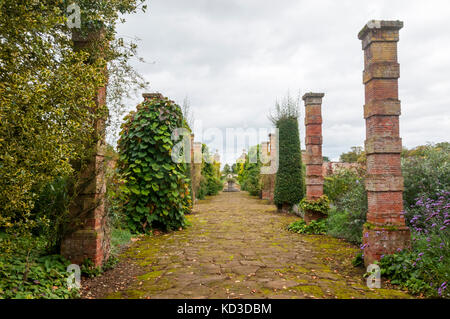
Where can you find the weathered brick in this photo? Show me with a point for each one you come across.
(382, 107)
(384, 181)
(381, 70)
(378, 89)
(382, 126)
(381, 164)
(314, 130)
(314, 170)
(385, 144)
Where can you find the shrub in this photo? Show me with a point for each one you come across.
(346, 225)
(320, 205)
(210, 183)
(349, 204)
(156, 189)
(289, 179)
(426, 267)
(250, 173)
(426, 171)
(315, 227)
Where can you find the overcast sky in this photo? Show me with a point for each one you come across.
(234, 58)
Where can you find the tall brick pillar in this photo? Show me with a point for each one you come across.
(273, 157)
(385, 230)
(91, 236)
(265, 192)
(192, 166)
(313, 155)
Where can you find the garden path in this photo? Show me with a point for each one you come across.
(238, 247)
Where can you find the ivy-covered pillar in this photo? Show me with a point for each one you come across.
(313, 155)
(90, 238)
(385, 230)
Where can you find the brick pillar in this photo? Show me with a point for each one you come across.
(313, 155)
(197, 171)
(265, 149)
(385, 230)
(273, 157)
(192, 165)
(91, 237)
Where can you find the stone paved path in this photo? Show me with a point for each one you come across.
(238, 247)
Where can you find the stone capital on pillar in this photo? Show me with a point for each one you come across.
(380, 31)
(313, 98)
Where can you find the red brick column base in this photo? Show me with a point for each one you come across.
(379, 241)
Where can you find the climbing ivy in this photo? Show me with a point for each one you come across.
(155, 188)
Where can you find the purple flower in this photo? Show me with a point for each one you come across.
(421, 254)
(442, 228)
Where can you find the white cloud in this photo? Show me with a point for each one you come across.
(235, 58)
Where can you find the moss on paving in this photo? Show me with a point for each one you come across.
(238, 247)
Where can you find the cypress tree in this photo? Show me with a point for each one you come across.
(289, 178)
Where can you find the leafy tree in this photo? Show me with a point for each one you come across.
(235, 168)
(426, 171)
(289, 178)
(210, 183)
(226, 169)
(250, 175)
(46, 99)
(353, 156)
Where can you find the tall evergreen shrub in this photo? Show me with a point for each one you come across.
(289, 178)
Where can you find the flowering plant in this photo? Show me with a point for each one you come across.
(426, 267)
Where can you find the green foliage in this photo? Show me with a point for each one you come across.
(51, 212)
(47, 108)
(426, 171)
(315, 227)
(210, 183)
(226, 169)
(346, 225)
(289, 177)
(155, 188)
(320, 205)
(355, 155)
(119, 237)
(358, 261)
(349, 204)
(249, 176)
(34, 277)
(401, 268)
